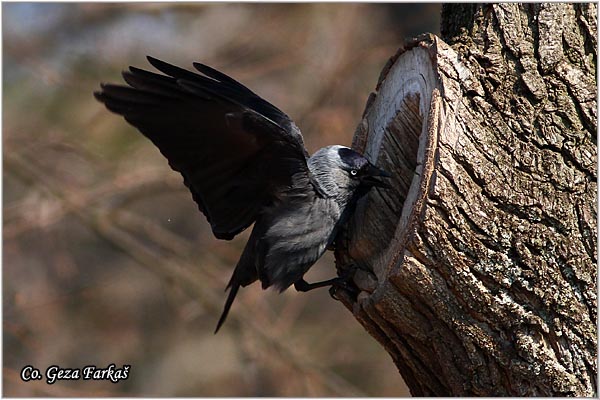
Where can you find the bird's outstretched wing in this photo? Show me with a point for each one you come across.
(235, 150)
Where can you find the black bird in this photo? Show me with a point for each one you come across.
(244, 161)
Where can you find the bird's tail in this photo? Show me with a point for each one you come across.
(243, 275)
(232, 293)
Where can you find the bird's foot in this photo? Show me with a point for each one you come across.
(344, 282)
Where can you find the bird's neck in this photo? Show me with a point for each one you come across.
(331, 186)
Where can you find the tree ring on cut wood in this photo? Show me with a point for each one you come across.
(399, 134)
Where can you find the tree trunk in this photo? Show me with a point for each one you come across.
(477, 271)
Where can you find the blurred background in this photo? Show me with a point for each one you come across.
(105, 256)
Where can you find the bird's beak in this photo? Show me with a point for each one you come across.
(371, 177)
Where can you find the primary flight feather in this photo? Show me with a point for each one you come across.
(244, 161)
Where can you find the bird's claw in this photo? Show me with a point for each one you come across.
(343, 282)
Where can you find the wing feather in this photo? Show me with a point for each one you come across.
(234, 150)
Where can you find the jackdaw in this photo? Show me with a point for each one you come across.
(244, 161)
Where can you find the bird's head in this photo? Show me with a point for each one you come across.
(360, 170)
(342, 172)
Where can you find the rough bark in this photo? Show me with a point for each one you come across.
(478, 270)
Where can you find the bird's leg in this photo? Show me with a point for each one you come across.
(302, 286)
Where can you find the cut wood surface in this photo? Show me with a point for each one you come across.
(478, 270)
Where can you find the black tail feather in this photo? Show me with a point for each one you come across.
(232, 293)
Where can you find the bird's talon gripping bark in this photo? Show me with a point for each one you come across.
(343, 282)
(345, 286)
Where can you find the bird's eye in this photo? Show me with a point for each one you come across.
(353, 172)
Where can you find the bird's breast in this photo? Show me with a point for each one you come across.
(296, 238)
